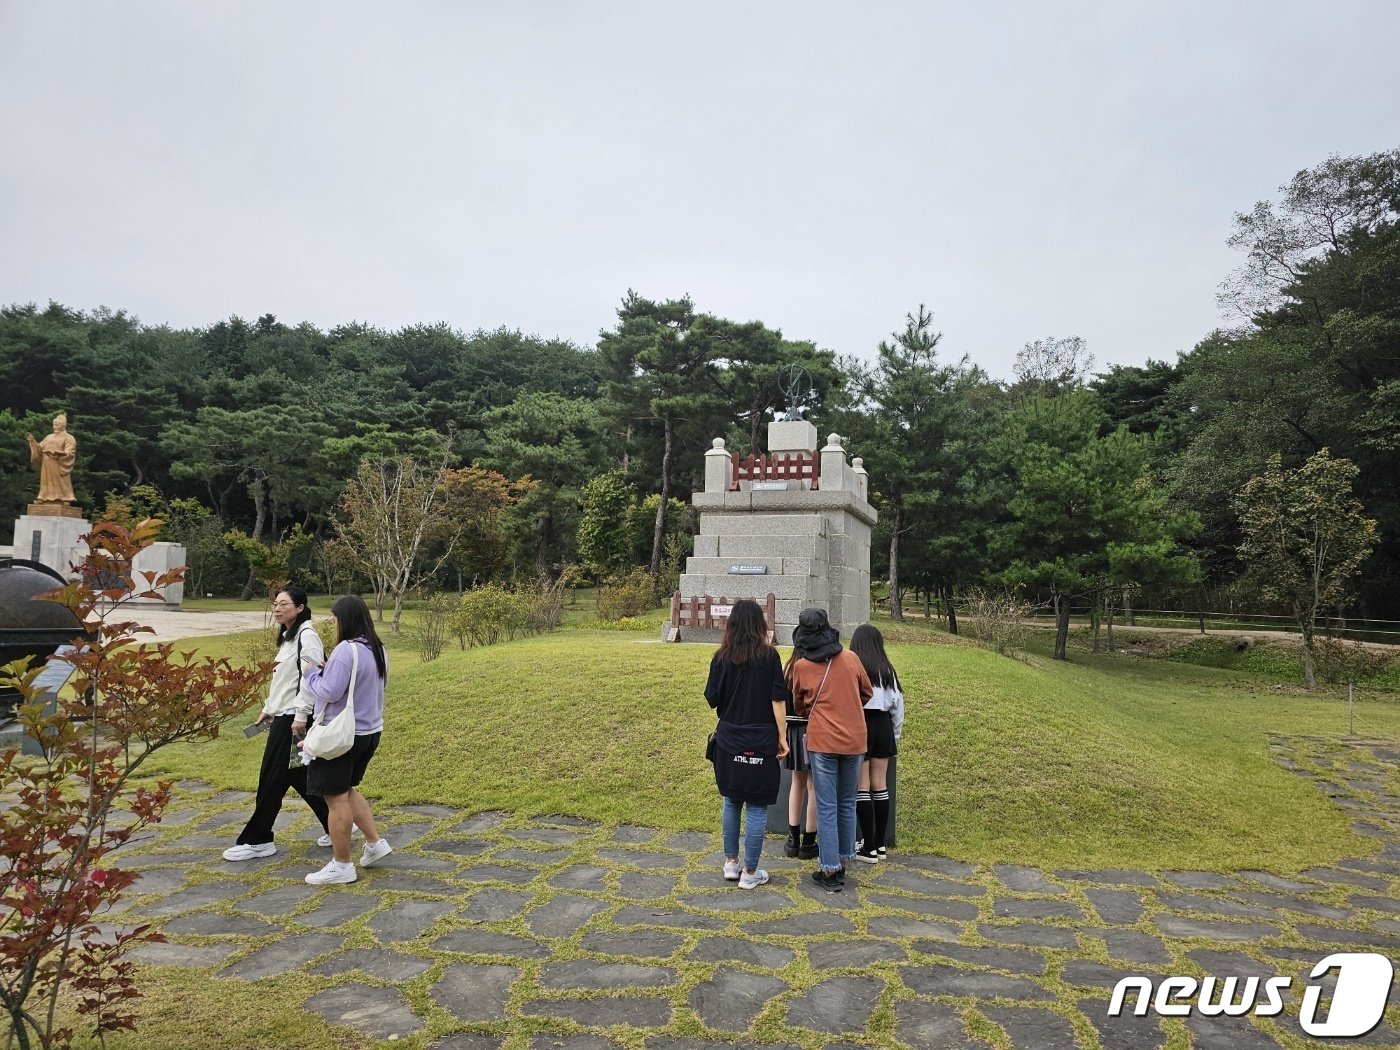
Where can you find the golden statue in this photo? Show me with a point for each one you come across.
(55, 456)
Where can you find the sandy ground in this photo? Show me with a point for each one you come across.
(171, 624)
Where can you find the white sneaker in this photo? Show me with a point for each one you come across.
(374, 853)
(333, 874)
(749, 879)
(325, 840)
(248, 851)
(732, 870)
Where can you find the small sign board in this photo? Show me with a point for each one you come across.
(748, 570)
(770, 486)
(721, 610)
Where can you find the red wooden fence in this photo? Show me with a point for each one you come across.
(778, 466)
(708, 611)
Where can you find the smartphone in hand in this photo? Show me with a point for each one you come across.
(254, 729)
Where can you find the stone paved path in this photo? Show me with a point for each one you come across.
(558, 932)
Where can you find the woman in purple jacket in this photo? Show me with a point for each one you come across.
(336, 779)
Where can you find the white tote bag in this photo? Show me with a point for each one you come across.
(338, 735)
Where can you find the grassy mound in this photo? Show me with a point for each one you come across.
(1104, 761)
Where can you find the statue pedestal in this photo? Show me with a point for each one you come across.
(54, 510)
(51, 537)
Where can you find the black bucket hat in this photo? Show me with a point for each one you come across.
(814, 638)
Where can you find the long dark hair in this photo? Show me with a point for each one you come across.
(352, 614)
(869, 645)
(298, 596)
(745, 634)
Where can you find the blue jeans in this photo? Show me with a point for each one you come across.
(757, 823)
(834, 779)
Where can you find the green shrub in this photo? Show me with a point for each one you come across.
(489, 614)
(433, 626)
(640, 624)
(626, 596)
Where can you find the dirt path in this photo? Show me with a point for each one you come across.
(171, 624)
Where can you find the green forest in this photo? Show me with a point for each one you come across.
(1066, 483)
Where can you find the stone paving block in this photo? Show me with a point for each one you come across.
(637, 858)
(846, 899)
(1390, 904)
(224, 798)
(636, 885)
(637, 915)
(898, 926)
(671, 1042)
(1083, 973)
(158, 880)
(279, 902)
(1023, 908)
(1020, 879)
(563, 915)
(1030, 934)
(147, 861)
(483, 822)
(1135, 947)
(1033, 1028)
(550, 836)
(1350, 938)
(959, 910)
(1302, 905)
(538, 857)
(568, 821)
(431, 810)
(475, 991)
(488, 942)
(548, 1041)
(731, 999)
(637, 1011)
(740, 950)
(1111, 877)
(1212, 906)
(914, 882)
(645, 944)
(1214, 929)
(755, 902)
(978, 984)
(953, 869)
(1227, 1033)
(382, 963)
(836, 1005)
(1199, 880)
(690, 841)
(850, 953)
(1013, 960)
(633, 833)
(401, 860)
(1278, 882)
(456, 847)
(407, 882)
(1126, 1032)
(589, 973)
(491, 905)
(1339, 877)
(406, 920)
(157, 953)
(337, 907)
(283, 956)
(201, 896)
(222, 820)
(932, 1026)
(585, 877)
(214, 924)
(498, 873)
(403, 833)
(1116, 907)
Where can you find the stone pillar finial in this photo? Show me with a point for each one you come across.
(862, 478)
(834, 477)
(717, 467)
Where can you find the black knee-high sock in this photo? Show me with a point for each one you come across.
(865, 816)
(880, 802)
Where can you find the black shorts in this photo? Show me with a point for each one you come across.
(879, 734)
(336, 776)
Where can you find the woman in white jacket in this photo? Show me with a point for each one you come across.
(287, 711)
(884, 721)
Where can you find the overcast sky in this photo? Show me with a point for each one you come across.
(1026, 170)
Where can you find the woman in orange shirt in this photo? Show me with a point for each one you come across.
(830, 687)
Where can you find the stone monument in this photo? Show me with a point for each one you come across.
(794, 523)
(51, 529)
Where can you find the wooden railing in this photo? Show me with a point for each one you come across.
(777, 466)
(710, 612)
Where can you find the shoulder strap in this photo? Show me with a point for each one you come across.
(354, 667)
(300, 631)
(820, 687)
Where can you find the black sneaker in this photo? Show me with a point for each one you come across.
(870, 857)
(793, 847)
(808, 851)
(832, 883)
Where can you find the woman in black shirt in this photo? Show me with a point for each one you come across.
(747, 691)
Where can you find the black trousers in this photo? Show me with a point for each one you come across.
(275, 777)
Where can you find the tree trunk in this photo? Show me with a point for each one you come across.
(949, 608)
(398, 605)
(660, 525)
(1108, 602)
(1309, 674)
(1061, 625)
(896, 599)
(1129, 617)
(928, 599)
(1094, 620)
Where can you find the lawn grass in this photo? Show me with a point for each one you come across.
(1104, 761)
